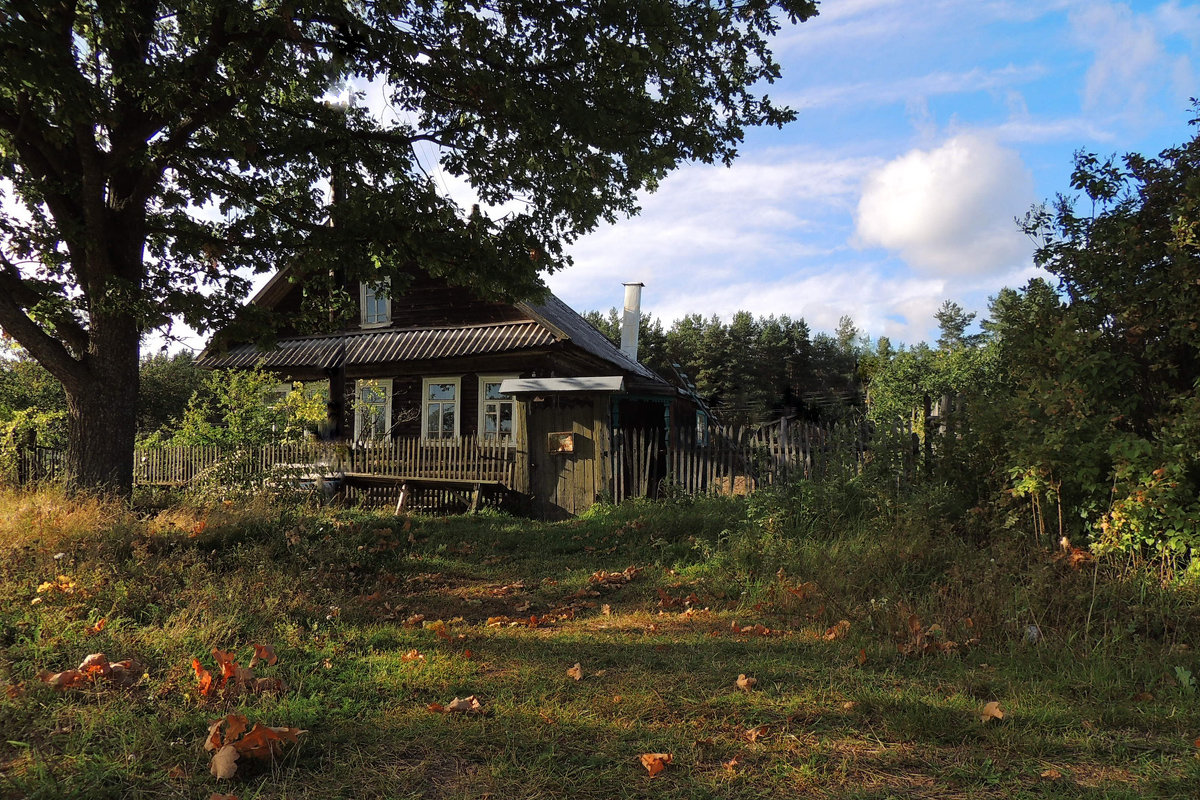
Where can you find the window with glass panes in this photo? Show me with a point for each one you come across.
(376, 306)
(373, 409)
(440, 408)
(495, 409)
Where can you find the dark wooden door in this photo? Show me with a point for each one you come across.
(564, 484)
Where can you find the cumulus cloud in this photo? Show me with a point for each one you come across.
(949, 210)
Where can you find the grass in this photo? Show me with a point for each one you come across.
(1109, 714)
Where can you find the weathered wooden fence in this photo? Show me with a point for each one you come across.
(467, 458)
(734, 460)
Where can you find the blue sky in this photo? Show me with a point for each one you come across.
(924, 129)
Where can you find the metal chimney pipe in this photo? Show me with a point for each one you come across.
(631, 319)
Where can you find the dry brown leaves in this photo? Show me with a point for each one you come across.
(990, 712)
(93, 669)
(838, 631)
(235, 679)
(922, 640)
(656, 762)
(576, 672)
(232, 738)
(746, 684)
(466, 705)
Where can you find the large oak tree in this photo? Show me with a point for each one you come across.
(154, 154)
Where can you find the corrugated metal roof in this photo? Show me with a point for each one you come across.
(377, 347)
(582, 334)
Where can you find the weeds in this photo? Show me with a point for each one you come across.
(502, 608)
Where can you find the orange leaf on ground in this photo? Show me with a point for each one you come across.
(1051, 774)
(204, 676)
(656, 762)
(991, 711)
(838, 631)
(260, 742)
(263, 652)
(67, 679)
(99, 626)
(576, 671)
(746, 684)
(862, 656)
(436, 708)
(227, 663)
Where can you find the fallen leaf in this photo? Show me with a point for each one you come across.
(263, 652)
(746, 684)
(99, 626)
(436, 708)
(991, 711)
(862, 656)
(1143, 697)
(1051, 774)
(838, 631)
(412, 655)
(849, 705)
(733, 762)
(224, 763)
(576, 672)
(606, 610)
(260, 742)
(756, 733)
(467, 705)
(656, 762)
(227, 663)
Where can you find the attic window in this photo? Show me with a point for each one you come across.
(376, 304)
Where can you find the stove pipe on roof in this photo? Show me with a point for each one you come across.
(631, 319)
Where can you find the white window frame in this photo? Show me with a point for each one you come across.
(425, 401)
(385, 386)
(364, 292)
(483, 381)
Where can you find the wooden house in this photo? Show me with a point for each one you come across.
(436, 365)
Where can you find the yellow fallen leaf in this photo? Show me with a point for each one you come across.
(656, 762)
(576, 671)
(746, 684)
(224, 763)
(991, 711)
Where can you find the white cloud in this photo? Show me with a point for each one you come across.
(711, 223)
(866, 93)
(1131, 55)
(950, 210)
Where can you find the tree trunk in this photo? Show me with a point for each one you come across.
(102, 411)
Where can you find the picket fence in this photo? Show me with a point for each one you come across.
(735, 460)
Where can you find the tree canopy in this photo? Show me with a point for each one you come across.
(154, 154)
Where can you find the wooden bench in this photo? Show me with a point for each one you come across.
(476, 488)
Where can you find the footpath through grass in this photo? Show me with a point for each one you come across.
(376, 618)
